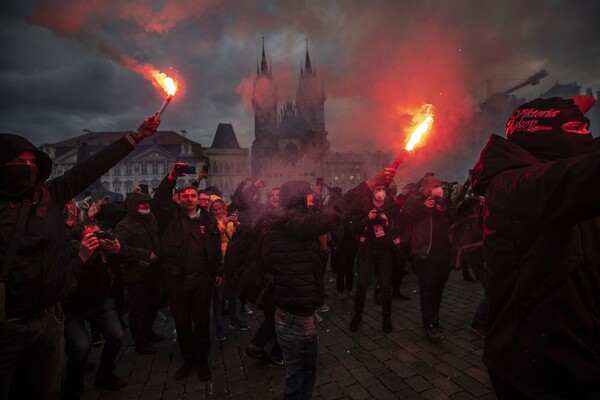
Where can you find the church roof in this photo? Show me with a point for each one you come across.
(225, 138)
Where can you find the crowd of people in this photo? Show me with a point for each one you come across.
(517, 223)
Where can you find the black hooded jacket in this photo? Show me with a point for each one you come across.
(542, 254)
(41, 274)
(138, 235)
(293, 254)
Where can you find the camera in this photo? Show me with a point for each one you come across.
(107, 234)
(378, 217)
(185, 169)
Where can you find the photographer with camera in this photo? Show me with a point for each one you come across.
(191, 250)
(426, 212)
(376, 255)
(92, 265)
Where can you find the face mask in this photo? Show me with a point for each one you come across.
(437, 192)
(379, 196)
(17, 180)
(144, 211)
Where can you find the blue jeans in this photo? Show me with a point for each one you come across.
(299, 341)
(31, 355)
(79, 342)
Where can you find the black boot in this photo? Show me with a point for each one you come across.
(355, 322)
(387, 325)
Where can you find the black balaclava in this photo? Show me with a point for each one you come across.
(538, 127)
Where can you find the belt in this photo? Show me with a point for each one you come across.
(34, 315)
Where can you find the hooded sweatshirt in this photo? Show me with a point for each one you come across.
(138, 235)
(41, 275)
(542, 260)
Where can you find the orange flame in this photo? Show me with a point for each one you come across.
(166, 83)
(417, 135)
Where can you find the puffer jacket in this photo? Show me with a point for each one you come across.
(542, 254)
(138, 235)
(41, 275)
(293, 254)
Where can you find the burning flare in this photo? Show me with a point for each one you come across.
(423, 127)
(166, 83)
(416, 136)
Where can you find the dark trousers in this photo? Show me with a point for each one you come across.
(79, 342)
(31, 356)
(380, 261)
(144, 301)
(342, 260)
(398, 275)
(475, 262)
(433, 271)
(266, 331)
(190, 306)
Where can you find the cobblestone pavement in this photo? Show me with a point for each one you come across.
(366, 364)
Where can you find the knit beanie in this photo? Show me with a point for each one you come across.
(539, 127)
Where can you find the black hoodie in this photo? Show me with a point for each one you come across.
(41, 275)
(542, 255)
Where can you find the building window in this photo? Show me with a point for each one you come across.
(226, 169)
(128, 186)
(155, 168)
(215, 169)
(143, 170)
(128, 169)
(117, 170)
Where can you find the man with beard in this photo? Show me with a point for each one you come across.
(35, 273)
(541, 226)
(293, 258)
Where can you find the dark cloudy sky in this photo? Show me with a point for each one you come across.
(379, 60)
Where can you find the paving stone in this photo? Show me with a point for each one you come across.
(418, 383)
(364, 364)
(357, 392)
(380, 392)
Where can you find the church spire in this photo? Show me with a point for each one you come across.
(307, 65)
(264, 68)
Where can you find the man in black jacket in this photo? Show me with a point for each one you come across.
(426, 211)
(191, 249)
(138, 234)
(293, 258)
(31, 335)
(542, 229)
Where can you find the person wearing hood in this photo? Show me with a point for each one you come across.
(541, 235)
(425, 211)
(227, 227)
(293, 258)
(138, 234)
(35, 273)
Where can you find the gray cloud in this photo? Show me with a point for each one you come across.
(373, 57)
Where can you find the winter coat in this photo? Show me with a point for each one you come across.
(138, 235)
(429, 230)
(94, 277)
(393, 231)
(542, 254)
(41, 275)
(293, 255)
(174, 227)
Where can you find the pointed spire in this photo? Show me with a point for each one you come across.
(264, 68)
(308, 66)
